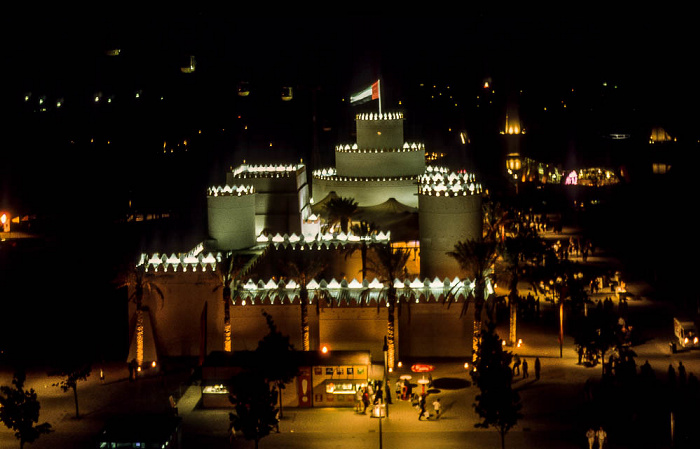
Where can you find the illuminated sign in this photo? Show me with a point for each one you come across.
(572, 179)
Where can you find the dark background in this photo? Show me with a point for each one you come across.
(82, 168)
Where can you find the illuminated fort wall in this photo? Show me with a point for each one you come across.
(380, 163)
(191, 316)
(231, 217)
(449, 212)
(374, 131)
(379, 166)
(282, 195)
(366, 191)
(424, 324)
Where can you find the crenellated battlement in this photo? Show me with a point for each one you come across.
(192, 261)
(407, 147)
(331, 173)
(326, 240)
(196, 260)
(442, 183)
(354, 293)
(228, 190)
(266, 171)
(375, 116)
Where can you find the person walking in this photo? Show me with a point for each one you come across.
(378, 396)
(590, 435)
(437, 407)
(516, 365)
(537, 368)
(681, 374)
(358, 400)
(132, 370)
(421, 407)
(525, 374)
(601, 435)
(365, 400)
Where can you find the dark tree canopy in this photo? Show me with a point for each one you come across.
(71, 371)
(276, 359)
(19, 411)
(276, 355)
(497, 404)
(255, 414)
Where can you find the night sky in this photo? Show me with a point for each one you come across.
(577, 74)
(535, 53)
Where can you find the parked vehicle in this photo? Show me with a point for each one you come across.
(685, 335)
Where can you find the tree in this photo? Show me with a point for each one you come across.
(362, 229)
(515, 251)
(277, 358)
(229, 271)
(388, 264)
(138, 279)
(254, 400)
(301, 266)
(71, 372)
(19, 410)
(476, 258)
(340, 211)
(497, 404)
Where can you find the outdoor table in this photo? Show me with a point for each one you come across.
(423, 382)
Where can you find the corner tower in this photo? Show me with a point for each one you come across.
(449, 211)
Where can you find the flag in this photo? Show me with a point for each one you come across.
(368, 94)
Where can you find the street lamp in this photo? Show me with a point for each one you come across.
(561, 317)
(385, 348)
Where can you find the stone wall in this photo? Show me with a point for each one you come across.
(378, 163)
(379, 133)
(190, 320)
(368, 192)
(444, 221)
(231, 220)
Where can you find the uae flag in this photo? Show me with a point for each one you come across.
(368, 94)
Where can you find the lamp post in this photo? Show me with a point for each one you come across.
(382, 412)
(561, 328)
(385, 385)
(561, 317)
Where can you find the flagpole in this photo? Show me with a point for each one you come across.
(379, 94)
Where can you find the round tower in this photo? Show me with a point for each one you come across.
(379, 130)
(449, 211)
(379, 166)
(231, 216)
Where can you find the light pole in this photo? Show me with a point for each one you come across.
(561, 328)
(385, 348)
(560, 293)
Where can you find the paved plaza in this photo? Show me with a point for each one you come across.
(556, 412)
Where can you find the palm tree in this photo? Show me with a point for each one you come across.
(301, 266)
(476, 258)
(515, 254)
(340, 211)
(362, 229)
(388, 264)
(496, 218)
(229, 271)
(138, 279)
(511, 251)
